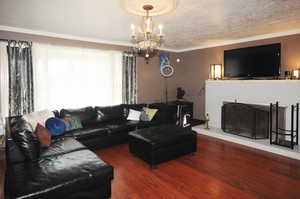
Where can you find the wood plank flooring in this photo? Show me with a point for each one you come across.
(2, 172)
(219, 169)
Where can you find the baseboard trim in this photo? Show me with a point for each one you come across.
(257, 144)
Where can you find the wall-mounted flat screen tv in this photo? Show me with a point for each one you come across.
(257, 61)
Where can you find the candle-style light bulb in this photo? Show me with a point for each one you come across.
(133, 29)
(160, 27)
(148, 27)
(148, 21)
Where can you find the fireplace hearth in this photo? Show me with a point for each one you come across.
(247, 120)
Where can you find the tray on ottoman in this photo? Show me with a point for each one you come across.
(161, 143)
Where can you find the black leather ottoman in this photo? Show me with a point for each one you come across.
(159, 144)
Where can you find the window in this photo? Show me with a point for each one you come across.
(70, 77)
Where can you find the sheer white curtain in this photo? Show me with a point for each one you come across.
(71, 77)
(4, 80)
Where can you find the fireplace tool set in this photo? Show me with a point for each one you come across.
(280, 136)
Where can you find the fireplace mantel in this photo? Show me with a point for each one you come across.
(261, 92)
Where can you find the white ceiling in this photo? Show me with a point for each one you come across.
(193, 24)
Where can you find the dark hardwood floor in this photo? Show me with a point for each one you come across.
(219, 169)
(2, 173)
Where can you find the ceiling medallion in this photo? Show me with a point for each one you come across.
(160, 7)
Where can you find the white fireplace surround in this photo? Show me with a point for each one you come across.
(261, 92)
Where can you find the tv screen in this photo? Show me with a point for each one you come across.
(257, 61)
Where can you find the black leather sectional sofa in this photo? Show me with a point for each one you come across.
(68, 168)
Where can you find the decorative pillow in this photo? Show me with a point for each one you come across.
(151, 112)
(148, 114)
(134, 115)
(43, 135)
(72, 123)
(109, 113)
(126, 107)
(144, 116)
(38, 117)
(56, 126)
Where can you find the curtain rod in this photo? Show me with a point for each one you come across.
(12, 40)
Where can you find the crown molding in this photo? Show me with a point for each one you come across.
(246, 39)
(128, 44)
(62, 36)
(70, 37)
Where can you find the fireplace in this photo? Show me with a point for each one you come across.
(246, 120)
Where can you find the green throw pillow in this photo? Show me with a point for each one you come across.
(144, 116)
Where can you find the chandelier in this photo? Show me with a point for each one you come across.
(147, 37)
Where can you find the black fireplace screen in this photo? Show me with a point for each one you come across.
(246, 120)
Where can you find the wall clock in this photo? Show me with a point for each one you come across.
(166, 70)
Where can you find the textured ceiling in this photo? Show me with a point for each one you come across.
(194, 22)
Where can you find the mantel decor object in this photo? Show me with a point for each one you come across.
(216, 71)
(296, 74)
(207, 119)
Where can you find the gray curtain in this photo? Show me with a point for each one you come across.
(20, 77)
(129, 79)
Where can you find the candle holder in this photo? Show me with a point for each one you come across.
(296, 74)
(216, 71)
(207, 118)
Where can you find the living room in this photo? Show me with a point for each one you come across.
(149, 99)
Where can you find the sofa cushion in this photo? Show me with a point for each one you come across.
(13, 152)
(120, 126)
(132, 123)
(137, 107)
(128, 125)
(161, 113)
(109, 113)
(86, 115)
(166, 112)
(143, 124)
(146, 124)
(89, 132)
(57, 176)
(62, 146)
(25, 139)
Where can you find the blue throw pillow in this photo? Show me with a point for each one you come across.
(56, 126)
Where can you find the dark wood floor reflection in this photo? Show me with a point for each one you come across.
(218, 170)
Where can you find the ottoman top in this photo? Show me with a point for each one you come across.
(158, 134)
